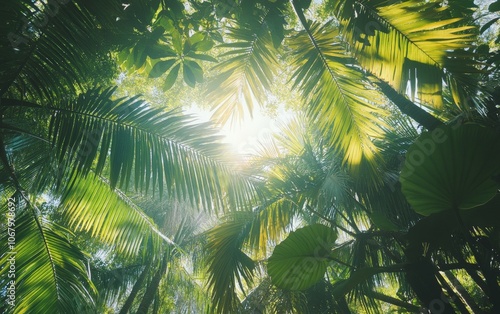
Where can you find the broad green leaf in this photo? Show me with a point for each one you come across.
(301, 259)
(160, 51)
(139, 55)
(204, 45)
(177, 41)
(195, 69)
(171, 77)
(451, 168)
(200, 56)
(494, 7)
(197, 37)
(161, 67)
(188, 74)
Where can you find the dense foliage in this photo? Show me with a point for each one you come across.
(381, 196)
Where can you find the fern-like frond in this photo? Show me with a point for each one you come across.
(89, 205)
(156, 150)
(227, 263)
(246, 75)
(340, 98)
(51, 49)
(50, 272)
(408, 41)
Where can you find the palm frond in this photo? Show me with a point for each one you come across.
(50, 49)
(113, 283)
(246, 75)
(340, 98)
(50, 272)
(227, 263)
(409, 41)
(162, 151)
(89, 205)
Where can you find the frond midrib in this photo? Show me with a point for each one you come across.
(331, 73)
(375, 14)
(45, 245)
(184, 147)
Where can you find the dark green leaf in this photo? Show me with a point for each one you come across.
(188, 74)
(451, 168)
(171, 77)
(201, 57)
(494, 7)
(203, 45)
(161, 67)
(160, 51)
(196, 69)
(177, 41)
(488, 24)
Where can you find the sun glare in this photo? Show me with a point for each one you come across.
(245, 136)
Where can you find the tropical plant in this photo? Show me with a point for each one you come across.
(366, 189)
(82, 147)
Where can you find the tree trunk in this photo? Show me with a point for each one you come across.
(151, 289)
(135, 289)
(420, 273)
(464, 294)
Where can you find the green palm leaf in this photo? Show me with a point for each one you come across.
(246, 75)
(49, 50)
(407, 41)
(159, 150)
(451, 168)
(340, 97)
(50, 272)
(88, 205)
(302, 258)
(227, 263)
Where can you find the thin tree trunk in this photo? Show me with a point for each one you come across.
(454, 298)
(151, 289)
(135, 289)
(464, 294)
(156, 305)
(421, 276)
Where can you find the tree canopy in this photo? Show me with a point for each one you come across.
(380, 195)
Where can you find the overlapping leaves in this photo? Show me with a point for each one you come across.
(50, 272)
(338, 94)
(158, 150)
(48, 49)
(88, 205)
(408, 41)
(246, 75)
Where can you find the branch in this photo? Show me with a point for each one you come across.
(387, 299)
(409, 108)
